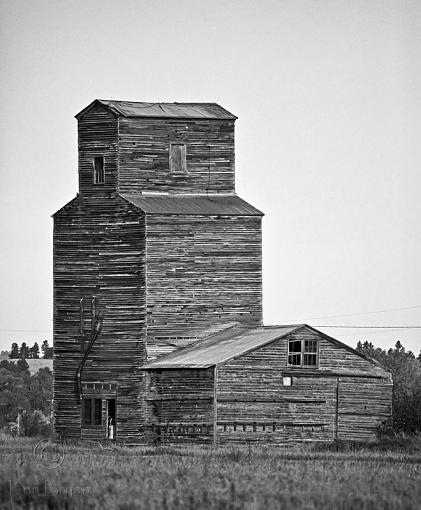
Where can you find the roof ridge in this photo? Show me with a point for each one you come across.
(162, 109)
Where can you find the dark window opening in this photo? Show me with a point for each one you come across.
(178, 162)
(92, 411)
(302, 353)
(111, 418)
(99, 170)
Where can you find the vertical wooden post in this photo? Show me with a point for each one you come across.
(81, 317)
(337, 409)
(215, 406)
(93, 313)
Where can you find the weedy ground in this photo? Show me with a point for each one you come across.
(383, 475)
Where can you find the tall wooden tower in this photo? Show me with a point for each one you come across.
(155, 252)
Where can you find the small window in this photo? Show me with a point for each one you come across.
(302, 353)
(178, 158)
(287, 381)
(99, 170)
(92, 411)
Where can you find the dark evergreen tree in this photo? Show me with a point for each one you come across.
(47, 351)
(14, 353)
(34, 350)
(24, 351)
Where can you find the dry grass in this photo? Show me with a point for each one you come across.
(226, 478)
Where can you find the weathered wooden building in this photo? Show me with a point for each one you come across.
(158, 331)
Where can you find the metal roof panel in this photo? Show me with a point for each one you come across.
(218, 205)
(168, 110)
(222, 347)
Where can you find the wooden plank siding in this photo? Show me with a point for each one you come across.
(144, 155)
(179, 401)
(98, 136)
(362, 403)
(319, 405)
(250, 390)
(202, 271)
(99, 250)
(146, 276)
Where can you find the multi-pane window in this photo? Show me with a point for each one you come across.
(99, 170)
(302, 353)
(178, 158)
(310, 353)
(92, 411)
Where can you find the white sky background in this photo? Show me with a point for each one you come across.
(327, 142)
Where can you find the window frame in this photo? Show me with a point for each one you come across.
(98, 172)
(89, 421)
(303, 352)
(172, 165)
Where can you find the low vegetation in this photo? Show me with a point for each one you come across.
(313, 477)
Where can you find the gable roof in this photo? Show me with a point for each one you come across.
(221, 347)
(235, 341)
(163, 110)
(226, 205)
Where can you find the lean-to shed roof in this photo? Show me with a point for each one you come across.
(222, 347)
(163, 110)
(227, 205)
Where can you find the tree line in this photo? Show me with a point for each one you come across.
(406, 373)
(26, 352)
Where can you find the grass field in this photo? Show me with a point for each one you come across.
(379, 476)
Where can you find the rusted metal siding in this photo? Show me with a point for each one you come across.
(144, 155)
(99, 250)
(201, 271)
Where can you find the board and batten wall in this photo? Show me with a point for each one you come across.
(99, 251)
(202, 271)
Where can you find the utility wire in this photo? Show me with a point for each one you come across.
(370, 327)
(362, 313)
(371, 332)
(28, 330)
(294, 321)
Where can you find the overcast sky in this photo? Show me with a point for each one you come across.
(327, 141)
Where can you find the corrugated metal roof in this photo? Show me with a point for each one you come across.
(226, 205)
(165, 110)
(222, 347)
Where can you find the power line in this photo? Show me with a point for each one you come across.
(370, 327)
(27, 330)
(372, 332)
(362, 313)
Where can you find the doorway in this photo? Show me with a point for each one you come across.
(111, 419)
